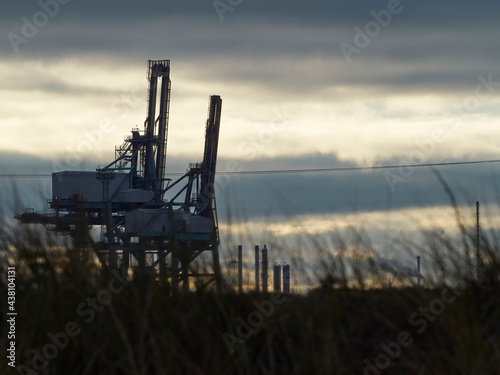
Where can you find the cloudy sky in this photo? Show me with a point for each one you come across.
(304, 85)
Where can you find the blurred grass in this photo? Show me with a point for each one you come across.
(332, 329)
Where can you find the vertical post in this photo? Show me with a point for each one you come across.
(215, 260)
(478, 256)
(185, 274)
(140, 256)
(149, 162)
(286, 278)
(257, 257)
(106, 176)
(264, 269)
(418, 269)
(125, 261)
(163, 125)
(240, 269)
(125, 264)
(174, 270)
(162, 265)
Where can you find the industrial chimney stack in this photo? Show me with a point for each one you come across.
(286, 278)
(264, 269)
(257, 260)
(277, 277)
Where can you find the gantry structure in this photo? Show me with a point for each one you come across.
(149, 223)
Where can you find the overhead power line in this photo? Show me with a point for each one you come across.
(304, 170)
(366, 168)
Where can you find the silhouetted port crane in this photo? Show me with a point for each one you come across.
(149, 223)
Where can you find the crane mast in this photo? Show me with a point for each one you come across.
(156, 129)
(210, 155)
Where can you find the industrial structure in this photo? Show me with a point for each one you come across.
(286, 278)
(257, 287)
(264, 269)
(149, 222)
(277, 277)
(264, 275)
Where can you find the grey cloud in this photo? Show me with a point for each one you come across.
(350, 191)
(290, 198)
(278, 196)
(280, 51)
(289, 46)
(315, 193)
(52, 85)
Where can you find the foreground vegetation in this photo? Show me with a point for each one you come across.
(74, 318)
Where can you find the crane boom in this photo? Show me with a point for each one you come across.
(209, 163)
